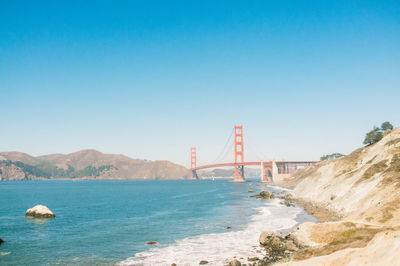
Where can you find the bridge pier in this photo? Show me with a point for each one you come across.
(266, 172)
(194, 175)
(239, 173)
(263, 173)
(275, 171)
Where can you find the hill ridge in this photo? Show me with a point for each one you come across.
(85, 164)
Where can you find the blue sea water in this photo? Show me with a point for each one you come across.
(110, 222)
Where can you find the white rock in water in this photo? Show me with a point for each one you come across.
(40, 211)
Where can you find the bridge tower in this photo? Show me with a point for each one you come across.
(193, 163)
(239, 160)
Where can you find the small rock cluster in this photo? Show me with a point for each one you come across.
(265, 194)
(277, 247)
(287, 200)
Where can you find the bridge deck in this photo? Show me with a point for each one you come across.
(251, 164)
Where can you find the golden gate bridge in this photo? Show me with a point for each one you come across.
(269, 169)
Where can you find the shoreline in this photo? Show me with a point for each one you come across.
(286, 245)
(320, 212)
(221, 248)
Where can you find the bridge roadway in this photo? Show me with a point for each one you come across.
(254, 164)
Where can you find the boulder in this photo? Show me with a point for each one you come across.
(269, 238)
(39, 211)
(234, 263)
(202, 262)
(152, 243)
(1, 241)
(174, 264)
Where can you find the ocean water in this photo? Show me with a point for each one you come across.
(110, 222)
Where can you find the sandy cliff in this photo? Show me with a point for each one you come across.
(364, 189)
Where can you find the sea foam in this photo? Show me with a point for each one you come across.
(220, 248)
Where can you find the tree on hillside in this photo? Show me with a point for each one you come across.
(386, 126)
(373, 136)
(376, 134)
(331, 156)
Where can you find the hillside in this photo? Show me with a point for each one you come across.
(363, 189)
(87, 164)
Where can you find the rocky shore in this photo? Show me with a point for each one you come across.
(310, 239)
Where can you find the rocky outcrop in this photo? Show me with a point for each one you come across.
(265, 194)
(39, 211)
(1, 241)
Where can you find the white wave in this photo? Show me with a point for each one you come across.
(220, 248)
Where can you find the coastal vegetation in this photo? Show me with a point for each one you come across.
(331, 156)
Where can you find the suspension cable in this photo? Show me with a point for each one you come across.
(256, 152)
(225, 146)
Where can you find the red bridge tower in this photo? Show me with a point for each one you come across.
(193, 163)
(239, 160)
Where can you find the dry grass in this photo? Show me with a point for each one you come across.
(387, 214)
(392, 142)
(395, 150)
(392, 173)
(370, 161)
(353, 157)
(395, 163)
(375, 168)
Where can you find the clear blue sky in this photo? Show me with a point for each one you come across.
(150, 79)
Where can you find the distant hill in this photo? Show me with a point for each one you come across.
(85, 164)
